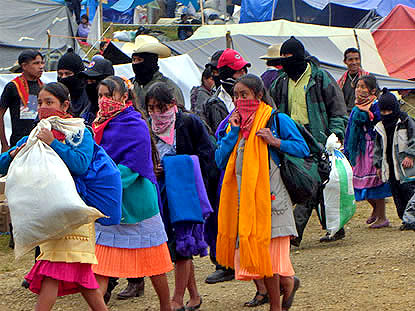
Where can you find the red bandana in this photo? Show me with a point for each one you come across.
(247, 109)
(45, 113)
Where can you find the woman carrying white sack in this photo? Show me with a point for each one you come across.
(64, 265)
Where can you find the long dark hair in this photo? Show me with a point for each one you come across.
(117, 84)
(370, 82)
(161, 93)
(255, 84)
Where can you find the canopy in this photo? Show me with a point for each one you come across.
(24, 24)
(342, 38)
(252, 47)
(395, 41)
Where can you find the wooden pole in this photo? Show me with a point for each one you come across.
(356, 38)
(202, 10)
(294, 11)
(229, 43)
(101, 18)
(48, 54)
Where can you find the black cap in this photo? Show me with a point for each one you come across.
(71, 61)
(294, 47)
(28, 55)
(214, 59)
(98, 68)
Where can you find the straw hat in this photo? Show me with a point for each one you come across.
(273, 52)
(148, 44)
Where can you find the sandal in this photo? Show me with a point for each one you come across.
(371, 220)
(286, 305)
(256, 302)
(194, 307)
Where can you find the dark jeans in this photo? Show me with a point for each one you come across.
(75, 7)
(302, 214)
(171, 8)
(401, 193)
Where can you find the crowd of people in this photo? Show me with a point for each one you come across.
(239, 127)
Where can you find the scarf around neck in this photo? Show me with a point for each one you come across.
(343, 78)
(162, 124)
(253, 226)
(247, 109)
(364, 103)
(23, 88)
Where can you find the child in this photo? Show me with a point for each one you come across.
(64, 265)
(359, 144)
(255, 210)
(137, 247)
(395, 150)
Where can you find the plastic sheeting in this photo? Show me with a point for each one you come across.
(397, 46)
(24, 24)
(257, 10)
(181, 69)
(342, 38)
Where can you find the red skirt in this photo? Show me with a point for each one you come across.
(71, 276)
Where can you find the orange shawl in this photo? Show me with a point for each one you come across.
(254, 222)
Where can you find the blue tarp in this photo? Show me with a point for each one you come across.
(123, 5)
(257, 10)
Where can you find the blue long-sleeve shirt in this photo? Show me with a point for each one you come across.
(76, 158)
(292, 142)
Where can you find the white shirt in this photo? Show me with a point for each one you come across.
(226, 98)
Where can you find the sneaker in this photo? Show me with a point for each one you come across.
(220, 276)
(338, 236)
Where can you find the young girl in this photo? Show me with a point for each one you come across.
(359, 145)
(179, 133)
(395, 152)
(64, 265)
(137, 247)
(256, 220)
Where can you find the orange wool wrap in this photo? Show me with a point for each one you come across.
(253, 221)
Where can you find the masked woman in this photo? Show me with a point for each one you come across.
(359, 148)
(256, 219)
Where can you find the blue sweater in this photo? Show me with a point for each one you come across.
(77, 159)
(292, 142)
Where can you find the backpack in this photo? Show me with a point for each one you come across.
(303, 177)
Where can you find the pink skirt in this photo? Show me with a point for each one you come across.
(71, 276)
(279, 249)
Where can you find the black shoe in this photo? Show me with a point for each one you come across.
(25, 284)
(338, 236)
(11, 241)
(405, 227)
(132, 290)
(255, 302)
(220, 276)
(112, 283)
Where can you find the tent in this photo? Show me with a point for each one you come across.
(181, 69)
(24, 24)
(395, 42)
(342, 38)
(252, 47)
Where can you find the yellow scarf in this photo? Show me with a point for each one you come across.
(254, 226)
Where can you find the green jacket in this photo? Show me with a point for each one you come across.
(327, 112)
(141, 91)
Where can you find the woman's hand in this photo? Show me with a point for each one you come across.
(266, 134)
(379, 173)
(14, 152)
(235, 118)
(408, 162)
(158, 170)
(46, 136)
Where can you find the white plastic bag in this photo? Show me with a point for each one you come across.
(41, 192)
(339, 200)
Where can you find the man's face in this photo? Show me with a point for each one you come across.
(352, 62)
(64, 73)
(34, 68)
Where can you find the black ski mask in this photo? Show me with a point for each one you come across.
(226, 78)
(145, 70)
(75, 86)
(296, 64)
(388, 101)
(92, 92)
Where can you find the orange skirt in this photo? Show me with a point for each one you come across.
(132, 263)
(280, 259)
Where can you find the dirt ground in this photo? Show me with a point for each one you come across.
(368, 270)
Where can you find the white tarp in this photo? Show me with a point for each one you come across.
(181, 69)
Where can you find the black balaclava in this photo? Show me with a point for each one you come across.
(145, 70)
(388, 101)
(92, 92)
(226, 78)
(294, 65)
(73, 62)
